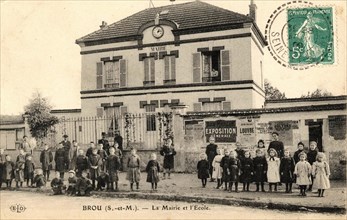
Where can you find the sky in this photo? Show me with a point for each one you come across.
(38, 50)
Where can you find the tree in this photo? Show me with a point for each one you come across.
(317, 93)
(39, 117)
(272, 92)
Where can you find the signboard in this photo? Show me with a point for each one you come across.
(223, 131)
(247, 132)
(284, 129)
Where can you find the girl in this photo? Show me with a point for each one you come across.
(225, 162)
(260, 168)
(246, 171)
(234, 167)
(321, 173)
(153, 169)
(287, 170)
(8, 172)
(59, 159)
(112, 167)
(134, 174)
(168, 151)
(273, 169)
(303, 173)
(29, 170)
(217, 169)
(203, 169)
(95, 163)
(20, 165)
(46, 159)
(300, 149)
(311, 157)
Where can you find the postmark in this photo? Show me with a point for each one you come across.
(301, 35)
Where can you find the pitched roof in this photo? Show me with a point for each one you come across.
(189, 15)
(11, 119)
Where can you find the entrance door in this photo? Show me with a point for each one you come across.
(315, 133)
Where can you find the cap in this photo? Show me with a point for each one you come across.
(103, 133)
(275, 133)
(65, 136)
(71, 171)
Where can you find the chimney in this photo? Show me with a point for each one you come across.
(103, 25)
(253, 10)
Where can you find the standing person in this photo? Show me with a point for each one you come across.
(261, 145)
(273, 169)
(8, 172)
(20, 165)
(73, 155)
(134, 174)
(287, 170)
(303, 173)
(234, 167)
(119, 153)
(311, 158)
(105, 143)
(321, 173)
(46, 159)
(103, 156)
(29, 170)
(217, 169)
(225, 164)
(211, 152)
(26, 146)
(153, 169)
(59, 159)
(246, 171)
(168, 151)
(118, 139)
(300, 149)
(112, 166)
(81, 163)
(2, 166)
(95, 163)
(260, 168)
(90, 149)
(67, 145)
(203, 168)
(277, 145)
(239, 151)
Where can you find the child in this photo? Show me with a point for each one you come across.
(20, 165)
(153, 169)
(303, 173)
(57, 184)
(260, 168)
(273, 169)
(133, 174)
(300, 149)
(72, 180)
(203, 169)
(39, 179)
(246, 170)
(168, 151)
(239, 151)
(103, 181)
(112, 167)
(84, 185)
(311, 158)
(29, 169)
(2, 166)
(287, 170)
(46, 159)
(321, 173)
(103, 155)
(217, 169)
(95, 163)
(211, 152)
(8, 171)
(119, 153)
(81, 163)
(59, 159)
(234, 167)
(225, 163)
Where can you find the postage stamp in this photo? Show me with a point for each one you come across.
(301, 35)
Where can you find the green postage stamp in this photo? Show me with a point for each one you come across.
(310, 36)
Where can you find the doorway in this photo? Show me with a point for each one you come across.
(315, 133)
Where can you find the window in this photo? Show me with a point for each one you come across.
(170, 70)
(212, 106)
(112, 74)
(149, 71)
(150, 117)
(211, 66)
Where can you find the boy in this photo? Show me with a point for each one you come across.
(57, 184)
(112, 166)
(20, 165)
(83, 186)
(103, 181)
(211, 152)
(72, 181)
(39, 179)
(29, 170)
(46, 159)
(95, 163)
(81, 163)
(103, 155)
(134, 173)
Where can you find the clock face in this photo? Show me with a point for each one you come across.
(158, 32)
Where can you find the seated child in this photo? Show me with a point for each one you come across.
(72, 180)
(39, 179)
(83, 185)
(57, 184)
(103, 181)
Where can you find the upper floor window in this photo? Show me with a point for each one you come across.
(169, 70)
(111, 74)
(211, 66)
(149, 71)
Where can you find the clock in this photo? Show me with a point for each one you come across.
(158, 32)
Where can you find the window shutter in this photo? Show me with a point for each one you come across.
(226, 106)
(146, 66)
(99, 112)
(152, 69)
(123, 73)
(196, 67)
(99, 75)
(197, 107)
(173, 67)
(123, 110)
(225, 65)
(167, 68)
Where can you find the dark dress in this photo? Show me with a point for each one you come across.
(59, 159)
(152, 170)
(8, 171)
(278, 146)
(72, 185)
(119, 139)
(66, 148)
(29, 169)
(168, 154)
(46, 159)
(20, 165)
(81, 164)
(247, 170)
(57, 186)
(225, 164)
(112, 166)
(89, 152)
(2, 167)
(234, 167)
(311, 156)
(211, 152)
(296, 155)
(240, 154)
(95, 160)
(260, 168)
(203, 169)
(287, 166)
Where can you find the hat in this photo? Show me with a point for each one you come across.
(65, 136)
(103, 133)
(275, 133)
(71, 171)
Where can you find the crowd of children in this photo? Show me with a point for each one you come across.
(305, 169)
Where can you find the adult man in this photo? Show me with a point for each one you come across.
(277, 145)
(119, 139)
(26, 146)
(66, 146)
(73, 155)
(211, 152)
(104, 142)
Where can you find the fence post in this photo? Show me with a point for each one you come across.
(96, 131)
(75, 123)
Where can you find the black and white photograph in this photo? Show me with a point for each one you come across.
(173, 109)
